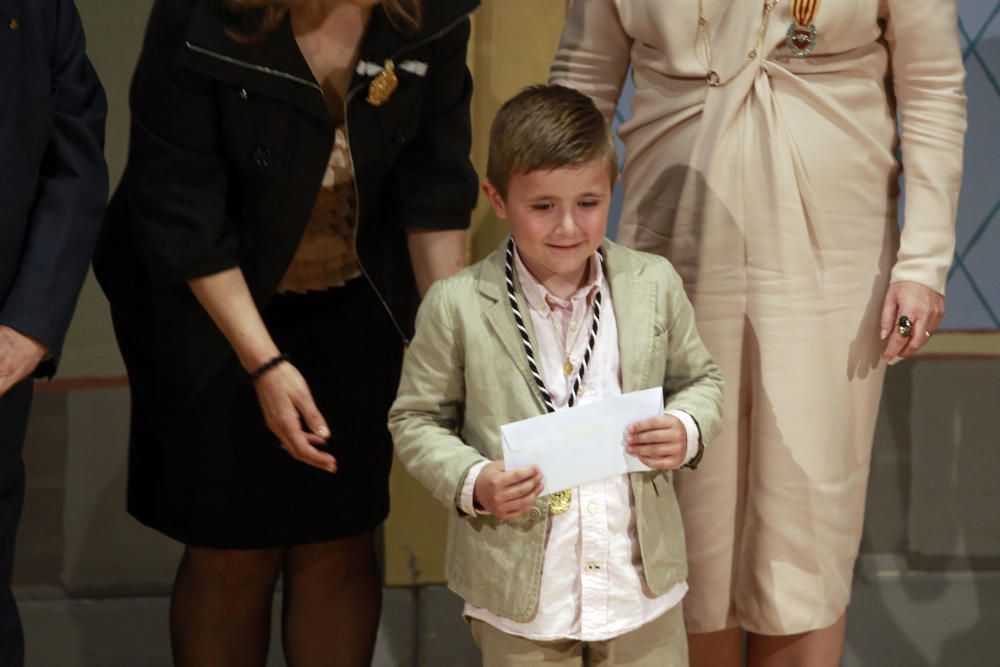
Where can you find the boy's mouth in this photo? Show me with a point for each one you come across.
(565, 247)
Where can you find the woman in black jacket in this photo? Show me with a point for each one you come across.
(297, 170)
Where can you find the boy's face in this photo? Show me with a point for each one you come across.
(558, 219)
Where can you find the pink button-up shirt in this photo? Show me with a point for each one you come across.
(593, 587)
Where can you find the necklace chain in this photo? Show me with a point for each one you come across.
(713, 79)
(566, 344)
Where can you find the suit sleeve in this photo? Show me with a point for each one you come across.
(177, 176)
(427, 413)
(433, 180)
(594, 53)
(69, 203)
(692, 382)
(928, 77)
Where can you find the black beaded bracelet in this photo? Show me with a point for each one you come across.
(268, 365)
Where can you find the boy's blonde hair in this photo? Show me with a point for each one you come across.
(547, 127)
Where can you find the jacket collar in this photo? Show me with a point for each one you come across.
(275, 66)
(633, 297)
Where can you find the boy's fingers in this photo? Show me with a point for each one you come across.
(518, 475)
(519, 490)
(650, 423)
(657, 450)
(659, 435)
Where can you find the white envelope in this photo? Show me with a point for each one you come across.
(582, 444)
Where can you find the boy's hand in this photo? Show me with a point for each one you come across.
(660, 442)
(507, 495)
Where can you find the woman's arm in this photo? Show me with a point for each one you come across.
(282, 392)
(594, 53)
(435, 254)
(928, 76)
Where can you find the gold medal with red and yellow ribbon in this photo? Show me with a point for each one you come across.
(801, 37)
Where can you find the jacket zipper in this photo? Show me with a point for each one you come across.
(350, 153)
(258, 68)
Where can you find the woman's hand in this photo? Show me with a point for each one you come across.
(286, 402)
(507, 495)
(660, 442)
(922, 305)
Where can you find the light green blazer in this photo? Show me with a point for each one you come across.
(466, 374)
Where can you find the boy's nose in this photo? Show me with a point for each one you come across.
(566, 223)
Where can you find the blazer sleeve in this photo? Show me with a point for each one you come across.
(928, 77)
(176, 179)
(692, 381)
(65, 220)
(433, 180)
(426, 416)
(594, 53)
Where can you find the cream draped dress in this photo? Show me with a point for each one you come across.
(775, 198)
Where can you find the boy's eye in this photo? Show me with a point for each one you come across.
(588, 203)
(542, 206)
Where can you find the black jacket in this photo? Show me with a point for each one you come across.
(228, 148)
(53, 179)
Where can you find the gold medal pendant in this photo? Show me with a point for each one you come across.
(801, 40)
(383, 86)
(560, 501)
(801, 37)
(567, 367)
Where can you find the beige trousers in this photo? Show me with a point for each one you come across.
(660, 643)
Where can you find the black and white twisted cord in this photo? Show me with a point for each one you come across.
(529, 351)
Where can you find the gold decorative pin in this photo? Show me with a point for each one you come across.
(560, 501)
(13, 25)
(383, 86)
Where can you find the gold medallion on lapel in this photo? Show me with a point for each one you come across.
(383, 86)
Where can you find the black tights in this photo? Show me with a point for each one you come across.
(220, 611)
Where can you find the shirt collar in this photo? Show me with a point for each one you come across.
(540, 298)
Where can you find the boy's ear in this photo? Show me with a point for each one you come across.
(495, 199)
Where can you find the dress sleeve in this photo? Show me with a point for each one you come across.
(928, 79)
(177, 176)
(594, 53)
(433, 179)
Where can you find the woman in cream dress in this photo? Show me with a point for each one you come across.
(774, 193)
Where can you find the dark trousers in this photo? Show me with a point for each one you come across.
(14, 407)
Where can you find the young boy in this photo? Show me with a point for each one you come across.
(558, 316)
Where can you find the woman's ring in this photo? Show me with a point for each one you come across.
(905, 327)
(928, 333)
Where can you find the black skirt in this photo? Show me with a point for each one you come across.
(205, 470)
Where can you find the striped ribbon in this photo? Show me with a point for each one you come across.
(804, 11)
(529, 351)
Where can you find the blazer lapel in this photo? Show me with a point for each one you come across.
(634, 301)
(493, 286)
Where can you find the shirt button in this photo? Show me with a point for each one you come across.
(593, 567)
(262, 157)
(592, 508)
(535, 514)
(574, 325)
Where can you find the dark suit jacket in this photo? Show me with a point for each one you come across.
(228, 147)
(53, 179)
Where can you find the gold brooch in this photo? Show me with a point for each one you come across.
(383, 86)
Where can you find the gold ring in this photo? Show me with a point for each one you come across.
(928, 334)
